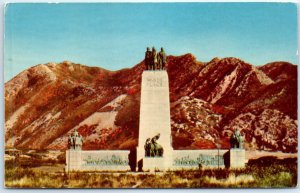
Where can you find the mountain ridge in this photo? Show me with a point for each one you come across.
(208, 100)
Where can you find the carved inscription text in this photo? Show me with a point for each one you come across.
(154, 82)
(106, 161)
(208, 160)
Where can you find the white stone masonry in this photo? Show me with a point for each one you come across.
(155, 117)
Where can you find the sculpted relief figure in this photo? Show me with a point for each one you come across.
(152, 148)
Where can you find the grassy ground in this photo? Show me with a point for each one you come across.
(264, 172)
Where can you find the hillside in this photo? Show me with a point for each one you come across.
(45, 103)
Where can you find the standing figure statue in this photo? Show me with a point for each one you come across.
(78, 142)
(75, 141)
(71, 144)
(236, 139)
(162, 59)
(147, 147)
(240, 141)
(154, 59)
(148, 56)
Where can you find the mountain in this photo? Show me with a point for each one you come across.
(45, 103)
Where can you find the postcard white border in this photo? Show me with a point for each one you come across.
(2, 189)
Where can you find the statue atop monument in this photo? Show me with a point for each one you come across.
(152, 148)
(161, 59)
(154, 58)
(148, 55)
(75, 141)
(236, 139)
(155, 61)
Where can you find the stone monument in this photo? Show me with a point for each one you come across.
(237, 151)
(154, 151)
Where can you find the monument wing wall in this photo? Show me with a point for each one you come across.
(102, 160)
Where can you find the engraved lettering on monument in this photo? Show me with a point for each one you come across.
(154, 82)
(108, 160)
(202, 159)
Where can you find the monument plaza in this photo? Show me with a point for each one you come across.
(154, 151)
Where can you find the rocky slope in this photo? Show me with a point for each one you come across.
(45, 103)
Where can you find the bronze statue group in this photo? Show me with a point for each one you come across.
(236, 139)
(155, 61)
(152, 148)
(75, 141)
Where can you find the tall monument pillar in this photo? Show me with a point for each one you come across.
(155, 120)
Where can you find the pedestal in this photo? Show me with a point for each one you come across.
(237, 158)
(155, 118)
(73, 160)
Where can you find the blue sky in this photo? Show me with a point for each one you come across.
(115, 36)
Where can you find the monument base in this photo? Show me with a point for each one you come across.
(119, 160)
(237, 158)
(155, 164)
(73, 160)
